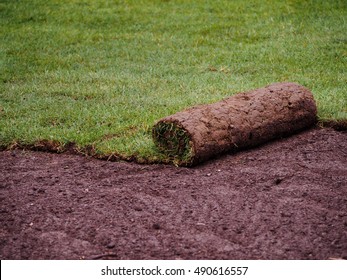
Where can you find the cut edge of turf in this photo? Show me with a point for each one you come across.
(184, 160)
(52, 146)
(338, 125)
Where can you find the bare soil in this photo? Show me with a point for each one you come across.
(284, 200)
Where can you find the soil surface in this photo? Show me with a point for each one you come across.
(284, 200)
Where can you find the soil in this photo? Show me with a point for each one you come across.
(284, 200)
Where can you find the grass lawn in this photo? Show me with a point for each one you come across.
(100, 73)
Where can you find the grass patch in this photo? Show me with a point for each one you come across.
(100, 73)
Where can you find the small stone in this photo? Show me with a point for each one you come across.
(68, 210)
(111, 245)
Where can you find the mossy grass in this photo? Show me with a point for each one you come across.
(101, 73)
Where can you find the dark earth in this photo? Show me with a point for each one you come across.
(284, 200)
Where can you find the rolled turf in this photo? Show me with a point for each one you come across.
(240, 121)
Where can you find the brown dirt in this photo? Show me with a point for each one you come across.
(284, 200)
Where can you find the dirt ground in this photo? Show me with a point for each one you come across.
(284, 200)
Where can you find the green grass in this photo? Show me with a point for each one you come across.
(101, 73)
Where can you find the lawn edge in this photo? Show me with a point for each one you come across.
(56, 147)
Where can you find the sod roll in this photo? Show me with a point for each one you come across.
(240, 121)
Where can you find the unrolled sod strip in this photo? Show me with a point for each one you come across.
(240, 121)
